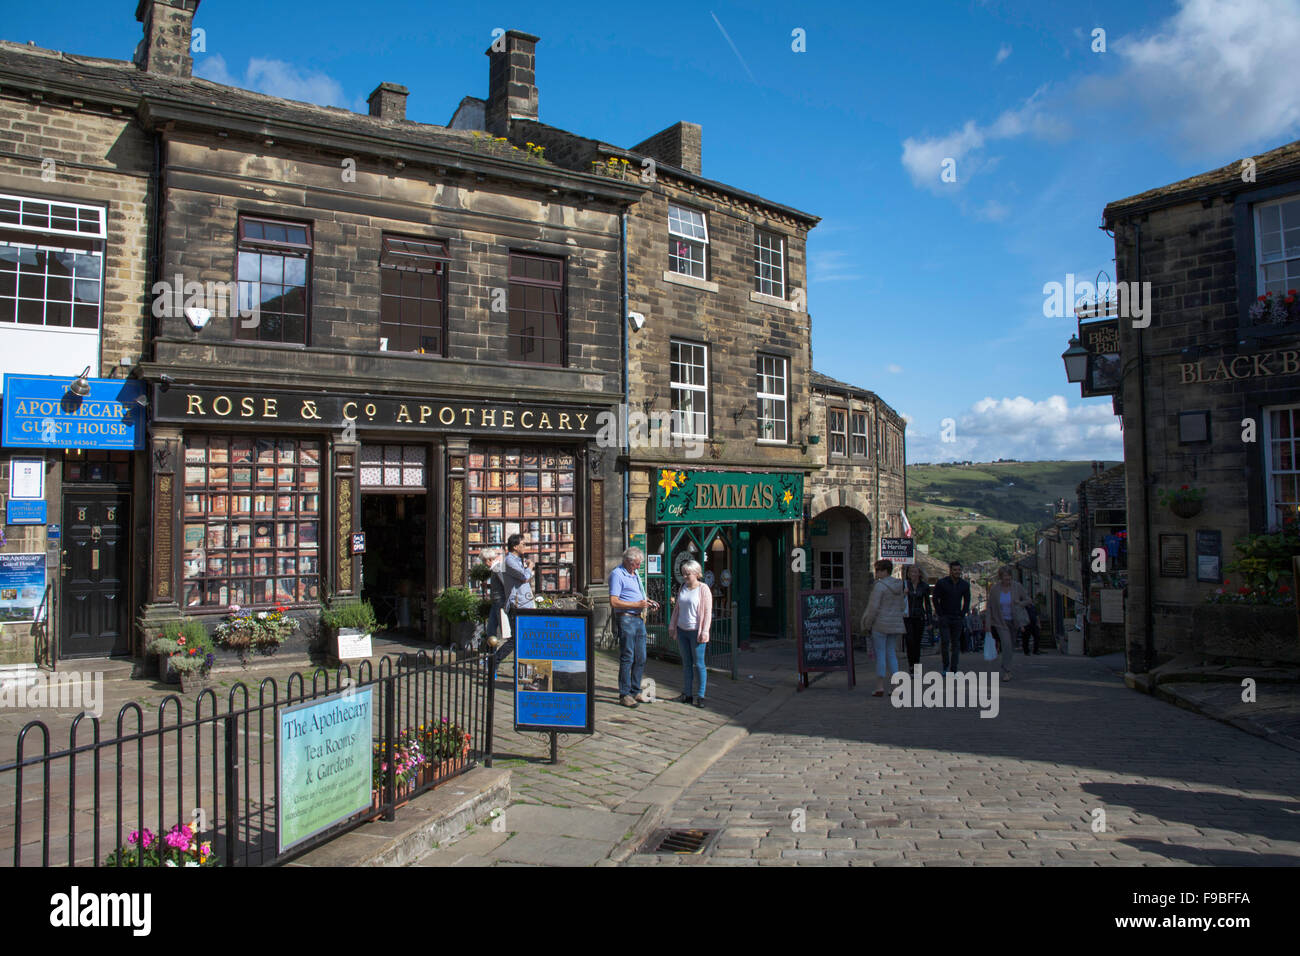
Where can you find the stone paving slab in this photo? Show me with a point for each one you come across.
(942, 786)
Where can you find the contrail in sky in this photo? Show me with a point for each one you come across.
(733, 46)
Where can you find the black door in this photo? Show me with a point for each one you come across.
(94, 577)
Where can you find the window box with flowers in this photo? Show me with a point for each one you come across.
(1276, 308)
(244, 632)
(1255, 616)
(179, 847)
(1186, 501)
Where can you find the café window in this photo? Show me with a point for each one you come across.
(274, 262)
(90, 465)
(837, 427)
(524, 490)
(536, 332)
(251, 521)
(51, 263)
(413, 296)
(1282, 442)
(830, 570)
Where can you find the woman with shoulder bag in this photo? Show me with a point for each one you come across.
(883, 619)
(1005, 615)
(918, 612)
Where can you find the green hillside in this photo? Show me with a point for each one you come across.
(976, 512)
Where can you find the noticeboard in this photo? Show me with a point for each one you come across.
(825, 643)
(22, 585)
(325, 769)
(555, 675)
(41, 412)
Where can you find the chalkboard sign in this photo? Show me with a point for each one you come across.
(825, 643)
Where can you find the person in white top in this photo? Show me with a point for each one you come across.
(689, 625)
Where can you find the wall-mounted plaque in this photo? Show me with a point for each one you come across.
(1173, 555)
(1209, 551)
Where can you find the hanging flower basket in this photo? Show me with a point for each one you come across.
(1186, 502)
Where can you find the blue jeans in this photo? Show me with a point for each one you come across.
(692, 662)
(886, 644)
(631, 653)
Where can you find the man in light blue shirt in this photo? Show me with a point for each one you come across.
(627, 603)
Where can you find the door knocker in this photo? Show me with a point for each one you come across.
(95, 532)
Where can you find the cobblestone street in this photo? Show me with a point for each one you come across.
(885, 785)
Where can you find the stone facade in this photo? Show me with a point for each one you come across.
(1103, 522)
(1202, 358)
(858, 495)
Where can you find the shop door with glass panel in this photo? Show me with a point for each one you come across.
(95, 575)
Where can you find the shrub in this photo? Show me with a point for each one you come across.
(358, 615)
(458, 605)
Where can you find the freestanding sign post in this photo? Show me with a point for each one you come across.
(325, 768)
(555, 676)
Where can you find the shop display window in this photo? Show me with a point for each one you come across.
(531, 491)
(251, 549)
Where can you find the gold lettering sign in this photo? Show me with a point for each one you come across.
(1259, 365)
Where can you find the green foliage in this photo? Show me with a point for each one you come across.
(358, 615)
(457, 605)
(186, 637)
(1187, 493)
(480, 574)
(1264, 566)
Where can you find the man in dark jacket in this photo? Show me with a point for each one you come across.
(1031, 631)
(951, 597)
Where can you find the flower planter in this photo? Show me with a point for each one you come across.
(1253, 631)
(167, 672)
(1186, 509)
(439, 771)
(193, 682)
(295, 650)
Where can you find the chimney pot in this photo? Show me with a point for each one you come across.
(679, 145)
(388, 101)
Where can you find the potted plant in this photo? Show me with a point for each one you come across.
(193, 658)
(262, 631)
(460, 608)
(350, 626)
(1186, 502)
(445, 745)
(180, 847)
(404, 766)
(173, 641)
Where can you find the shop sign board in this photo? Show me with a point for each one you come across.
(40, 412)
(555, 676)
(22, 585)
(325, 770)
(898, 550)
(704, 497)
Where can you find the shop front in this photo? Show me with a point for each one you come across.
(293, 498)
(740, 527)
(67, 573)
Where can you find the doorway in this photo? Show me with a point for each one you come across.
(94, 575)
(766, 563)
(394, 568)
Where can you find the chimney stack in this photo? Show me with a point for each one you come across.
(679, 145)
(388, 101)
(165, 48)
(512, 81)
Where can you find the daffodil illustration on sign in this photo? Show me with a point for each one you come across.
(788, 496)
(669, 480)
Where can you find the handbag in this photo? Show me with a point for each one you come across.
(504, 629)
(990, 647)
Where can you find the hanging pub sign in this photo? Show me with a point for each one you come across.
(183, 403)
(555, 676)
(40, 411)
(700, 497)
(1101, 339)
(825, 643)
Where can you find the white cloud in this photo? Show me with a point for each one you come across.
(831, 266)
(1220, 73)
(894, 369)
(1023, 428)
(276, 78)
(1004, 51)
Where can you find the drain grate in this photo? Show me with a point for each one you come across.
(687, 842)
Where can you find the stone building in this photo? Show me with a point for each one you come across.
(859, 496)
(378, 346)
(718, 356)
(78, 174)
(1103, 558)
(1058, 571)
(1210, 395)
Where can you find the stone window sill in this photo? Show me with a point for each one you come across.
(764, 299)
(677, 278)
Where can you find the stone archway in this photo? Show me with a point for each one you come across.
(840, 498)
(849, 537)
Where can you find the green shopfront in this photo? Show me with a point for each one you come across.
(740, 527)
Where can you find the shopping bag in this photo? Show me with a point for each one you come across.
(503, 632)
(990, 647)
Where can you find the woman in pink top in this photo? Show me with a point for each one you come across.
(692, 615)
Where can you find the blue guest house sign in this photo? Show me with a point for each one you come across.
(40, 412)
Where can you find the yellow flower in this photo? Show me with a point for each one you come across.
(668, 481)
(788, 495)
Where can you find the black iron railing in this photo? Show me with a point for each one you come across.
(216, 769)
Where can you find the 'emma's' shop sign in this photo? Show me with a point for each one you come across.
(696, 497)
(1286, 362)
(296, 409)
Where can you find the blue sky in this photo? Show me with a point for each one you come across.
(928, 292)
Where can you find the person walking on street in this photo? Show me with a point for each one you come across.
(951, 599)
(496, 594)
(1031, 631)
(515, 588)
(627, 602)
(883, 618)
(689, 626)
(918, 612)
(1005, 615)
